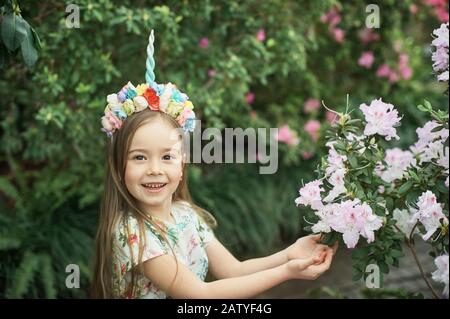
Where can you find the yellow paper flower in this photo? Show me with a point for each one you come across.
(174, 108)
(128, 107)
(189, 105)
(141, 88)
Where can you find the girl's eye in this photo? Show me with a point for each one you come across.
(167, 157)
(138, 157)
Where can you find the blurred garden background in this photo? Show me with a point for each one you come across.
(243, 63)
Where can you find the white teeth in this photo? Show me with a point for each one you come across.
(154, 185)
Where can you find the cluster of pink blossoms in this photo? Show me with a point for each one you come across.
(429, 214)
(351, 217)
(430, 146)
(397, 162)
(440, 54)
(440, 275)
(381, 118)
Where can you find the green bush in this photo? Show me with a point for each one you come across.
(52, 153)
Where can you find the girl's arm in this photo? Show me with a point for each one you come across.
(182, 283)
(222, 264)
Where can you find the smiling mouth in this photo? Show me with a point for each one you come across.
(154, 185)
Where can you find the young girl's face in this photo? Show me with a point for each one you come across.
(154, 165)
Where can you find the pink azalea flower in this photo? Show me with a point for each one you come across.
(397, 162)
(384, 70)
(393, 77)
(286, 135)
(441, 274)
(310, 195)
(441, 13)
(249, 97)
(261, 35)
(335, 160)
(311, 105)
(366, 59)
(312, 127)
(404, 69)
(203, 43)
(307, 155)
(338, 34)
(381, 119)
(413, 9)
(337, 180)
(367, 35)
(429, 213)
(331, 117)
(211, 73)
(353, 220)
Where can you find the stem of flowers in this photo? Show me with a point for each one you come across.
(413, 251)
(416, 259)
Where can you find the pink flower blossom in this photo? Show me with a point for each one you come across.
(430, 144)
(366, 59)
(429, 213)
(413, 9)
(203, 43)
(353, 220)
(367, 35)
(440, 55)
(384, 70)
(338, 34)
(440, 275)
(310, 195)
(335, 160)
(403, 67)
(211, 73)
(261, 35)
(381, 119)
(306, 155)
(312, 127)
(311, 105)
(249, 97)
(337, 180)
(393, 77)
(286, 135)
(397, 162)
(331, 117)
(441, 14)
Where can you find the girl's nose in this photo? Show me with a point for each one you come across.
(154, 168)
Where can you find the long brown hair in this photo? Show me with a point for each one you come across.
(117, 202)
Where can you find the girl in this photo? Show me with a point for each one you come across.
(154, 242)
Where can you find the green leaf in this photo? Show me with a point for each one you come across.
(8, 188)
(353, 161)
(14, 31)
(422, 108)
(37, 40)
(360, 253)
(384, 268)
(405, 187)
(396, 253)
(412, 196)
(29, 52)
(389, 204)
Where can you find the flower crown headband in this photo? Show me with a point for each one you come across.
(157, 97)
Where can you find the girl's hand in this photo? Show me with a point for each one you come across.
(304, 247)
(312, 267)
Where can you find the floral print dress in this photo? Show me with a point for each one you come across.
(188, 237)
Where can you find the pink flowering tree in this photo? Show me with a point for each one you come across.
(374, 197)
